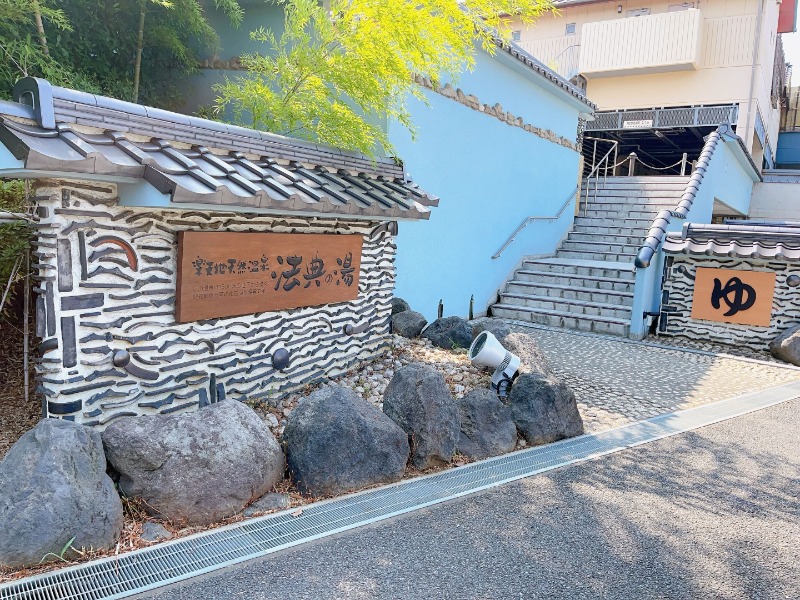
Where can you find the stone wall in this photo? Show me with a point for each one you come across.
(95, 299)
(679, 283)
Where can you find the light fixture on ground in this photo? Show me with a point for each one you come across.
(488, 352)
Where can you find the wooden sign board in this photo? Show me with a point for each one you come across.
(226, 274)
(730, 296)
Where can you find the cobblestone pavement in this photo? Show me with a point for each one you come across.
(617, 381)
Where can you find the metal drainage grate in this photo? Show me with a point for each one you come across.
(167, 563)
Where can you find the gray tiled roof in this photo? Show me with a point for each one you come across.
(199, 175)
(538, 67)
(779, 241)
(53, 104)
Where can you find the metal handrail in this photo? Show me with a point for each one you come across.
(595, 172)
(525, 222)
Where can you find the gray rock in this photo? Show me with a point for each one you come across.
(408, 323)
(53, 487)
(155, 532)
(337, 442)
(449, 333)
(486, 425)
(786, 346)
(524, 345)
(544, 409)
(266, 503)
(195, 468)
(399, 305)
(418, 400)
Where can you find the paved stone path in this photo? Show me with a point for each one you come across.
(617, 381)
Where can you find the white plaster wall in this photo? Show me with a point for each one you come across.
(775, 201)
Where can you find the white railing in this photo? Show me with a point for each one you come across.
(646, 44)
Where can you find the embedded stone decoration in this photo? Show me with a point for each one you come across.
(408, 323)
(496, 111)
(195, 468)
(418, 400)
(532, 359)
(449, 333)
(679, 285)
(337, 442)
(399, 305)
(786, 346)
(129, 354)
(53, 487)
(544, 409)
(486, 425)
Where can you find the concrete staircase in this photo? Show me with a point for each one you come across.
(588, 284)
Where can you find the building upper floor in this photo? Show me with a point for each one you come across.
(663, 54)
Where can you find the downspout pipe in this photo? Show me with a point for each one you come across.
(756, 44)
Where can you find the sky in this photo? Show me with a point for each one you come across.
(791, 46)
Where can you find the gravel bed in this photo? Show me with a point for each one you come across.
(371, 379)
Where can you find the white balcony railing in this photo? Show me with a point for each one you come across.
(637, 45)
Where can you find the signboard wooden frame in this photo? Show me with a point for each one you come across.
(226, 274)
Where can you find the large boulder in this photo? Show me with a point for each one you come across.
(486, 425)
(786, 346)
(399, 305)
(53, 488)
(544, 409)
(195, 468)
(337, 442)
(418, 400)
(408, 323)
(524, 345)
(449, 333)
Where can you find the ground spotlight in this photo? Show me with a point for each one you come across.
(488, 352)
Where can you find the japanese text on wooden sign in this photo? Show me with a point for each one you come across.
(225, 274)
(733, 296)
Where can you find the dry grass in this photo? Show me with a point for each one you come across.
(16, 416)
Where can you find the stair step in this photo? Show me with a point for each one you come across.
(636, 212)
(639, 180)
(597, 256)
(591, 268)
(608, 247)
(629, 198)
(627, 237)
(592, 296)
(556, 318)
(636, 225)
(575, 305)
(578, 280)
(608, 265)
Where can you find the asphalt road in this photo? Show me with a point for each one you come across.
(713, 513)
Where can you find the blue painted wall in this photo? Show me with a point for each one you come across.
(729, 179)
(788, 154)
(490, 177)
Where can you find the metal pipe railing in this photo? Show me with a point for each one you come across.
(525, 222)
(594, 174)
